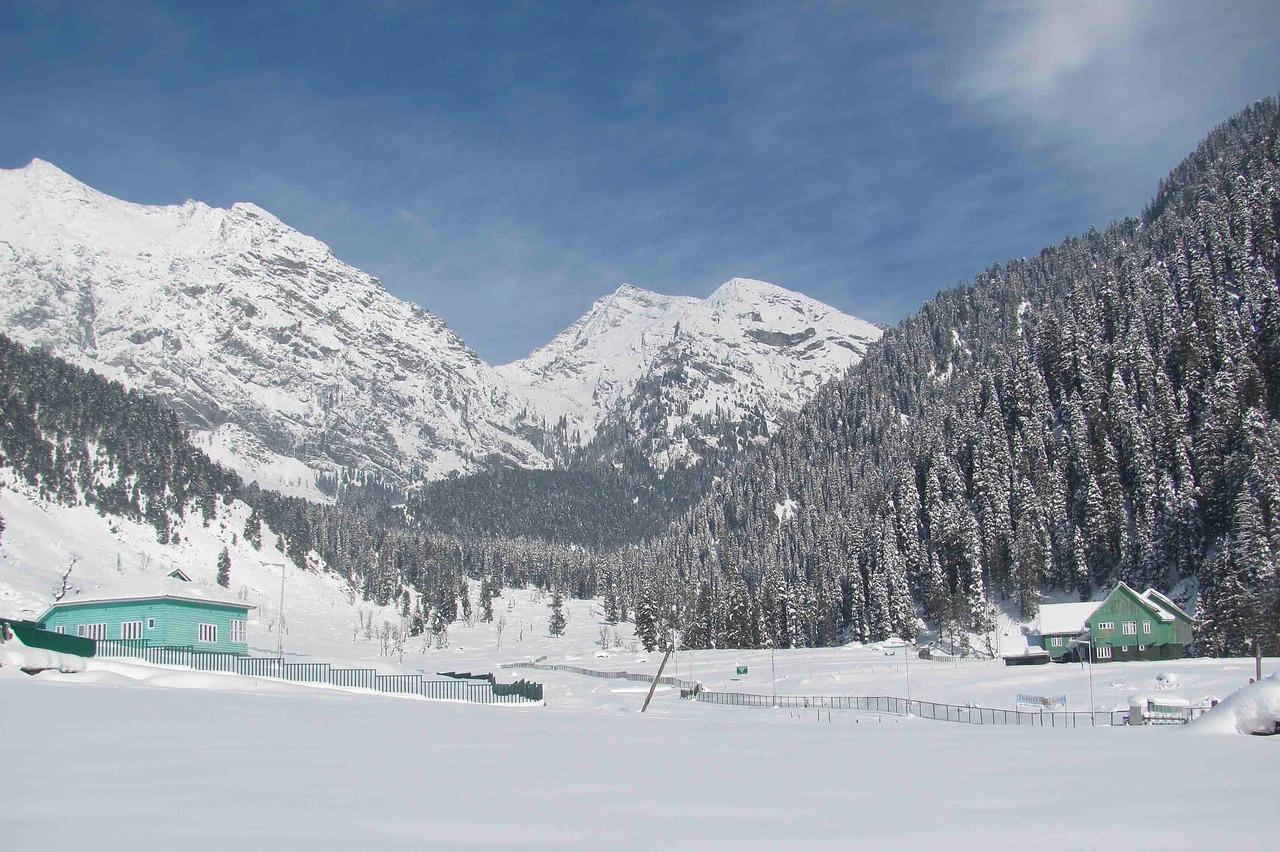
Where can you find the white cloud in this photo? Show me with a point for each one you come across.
(1113, 92)
(1039, 49)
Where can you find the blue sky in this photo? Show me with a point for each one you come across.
(505, 164)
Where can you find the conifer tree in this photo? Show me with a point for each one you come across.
(486, 600)
(224, 568)
(556, 622)
(464, 594)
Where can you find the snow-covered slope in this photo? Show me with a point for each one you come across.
(285, 361)
(254, 332)
(750, 349)
(589, 366)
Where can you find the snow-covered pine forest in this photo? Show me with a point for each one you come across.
(1103, 411)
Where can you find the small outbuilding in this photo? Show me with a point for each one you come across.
(160, 610)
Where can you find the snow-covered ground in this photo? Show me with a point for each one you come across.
(125, 755)
(116, 767)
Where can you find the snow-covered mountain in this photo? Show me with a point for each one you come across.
(673, 368)
(288, 360)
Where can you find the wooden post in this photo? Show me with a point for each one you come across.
(1257, 657)
(654, 684)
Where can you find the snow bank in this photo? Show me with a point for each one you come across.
(1254, 709)
(16, 656)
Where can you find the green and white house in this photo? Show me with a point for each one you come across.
(1127, 625)
(161, 610)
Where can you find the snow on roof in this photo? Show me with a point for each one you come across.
(1163, 605)
(1063, 618)
(154, 584)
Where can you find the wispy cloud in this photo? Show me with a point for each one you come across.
(1117, 91)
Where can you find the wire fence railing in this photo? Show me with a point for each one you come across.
(962, 713)
(474, 690)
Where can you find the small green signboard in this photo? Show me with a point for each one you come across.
(742, 669)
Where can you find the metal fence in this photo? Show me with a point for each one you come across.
(476, 689)
(964, 714)
(890, 705)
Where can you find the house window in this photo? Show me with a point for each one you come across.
(1130, 628)
(1057, 641)
(208, 633)
(1146, 627)
(237, 630)
(1106, 625)
(60, 629)
(151, 624)
(92, 631)
(1142, 647)
(131, 630)
(1103, 652)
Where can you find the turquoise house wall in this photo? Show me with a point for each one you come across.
(176, 622)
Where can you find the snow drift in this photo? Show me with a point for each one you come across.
(1254, 709)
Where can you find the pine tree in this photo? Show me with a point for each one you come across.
(224, 568)
(486, 600)
(464, 594)
(610, 602)
(556, 623)
(253, 529)
(646, 616)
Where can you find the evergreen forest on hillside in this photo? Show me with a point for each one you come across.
(1105, 411)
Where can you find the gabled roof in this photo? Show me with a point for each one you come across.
(1156, 609)
(1063, 618)
(153, 585)
(1162, 602)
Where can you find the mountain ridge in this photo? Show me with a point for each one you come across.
(291, 365)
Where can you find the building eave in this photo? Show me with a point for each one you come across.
(139, 598)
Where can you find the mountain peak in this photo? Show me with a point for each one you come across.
(261, 340)
(751, 290)
(46, 177)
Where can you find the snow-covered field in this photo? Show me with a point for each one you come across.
(126, 756)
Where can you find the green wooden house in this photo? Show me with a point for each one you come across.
(162, 610)
(1124, 626)
(1132, 626)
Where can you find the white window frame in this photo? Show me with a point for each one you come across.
(1146, 628)
(1056, 642)
(151, 624)
(1106, 625)
(131, 630)
(207, 633)
(92, 631)
(1102, 652)
(61, 628)
(238, 632)
(1129, 628)
(1142, 647)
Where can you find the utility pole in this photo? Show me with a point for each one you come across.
(773, 670)
(280, 626)
(906, 649)
(1092, 705)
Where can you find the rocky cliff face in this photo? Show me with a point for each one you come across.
(282, 358)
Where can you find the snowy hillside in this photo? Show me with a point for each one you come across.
(256, 334)
(750, 349)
